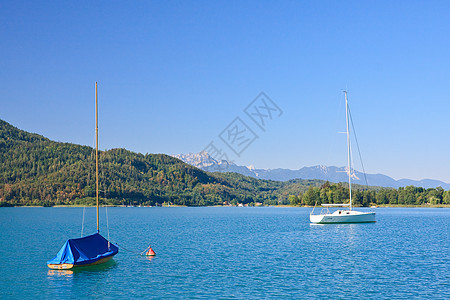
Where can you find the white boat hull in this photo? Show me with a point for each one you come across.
(343, 216)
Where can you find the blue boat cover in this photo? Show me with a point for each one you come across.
(85, 250)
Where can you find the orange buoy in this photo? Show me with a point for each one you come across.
(150, 252)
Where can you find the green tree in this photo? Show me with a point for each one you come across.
(446, 198)
(382, 197)
(434, 195)
(293, 200)
(312, 196)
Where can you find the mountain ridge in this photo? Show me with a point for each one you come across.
(335, 174)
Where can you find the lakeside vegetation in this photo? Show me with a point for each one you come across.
(35, 171)
(403, 196)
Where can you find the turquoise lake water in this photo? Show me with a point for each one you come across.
(230, 253)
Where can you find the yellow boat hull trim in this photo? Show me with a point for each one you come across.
(71, 266)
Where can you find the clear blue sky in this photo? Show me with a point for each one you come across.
(173, 74)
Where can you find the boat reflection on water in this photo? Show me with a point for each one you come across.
(62, 273)
(149, 258)
(88, 269)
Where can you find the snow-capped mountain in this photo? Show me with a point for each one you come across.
(205, 162)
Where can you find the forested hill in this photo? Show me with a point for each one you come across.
(37, 171)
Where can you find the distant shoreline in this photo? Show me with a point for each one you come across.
(280, 206)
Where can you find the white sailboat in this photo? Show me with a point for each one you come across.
(341, 215)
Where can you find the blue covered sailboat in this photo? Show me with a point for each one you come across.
(86, 251)
(92, 249)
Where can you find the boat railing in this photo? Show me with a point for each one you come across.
(324, 211)
(325, 207)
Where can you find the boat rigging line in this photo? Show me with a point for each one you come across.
(82, 222)
(357, 146)
(147, 252)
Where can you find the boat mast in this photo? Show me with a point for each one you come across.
(96, 148)
(348, 150)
